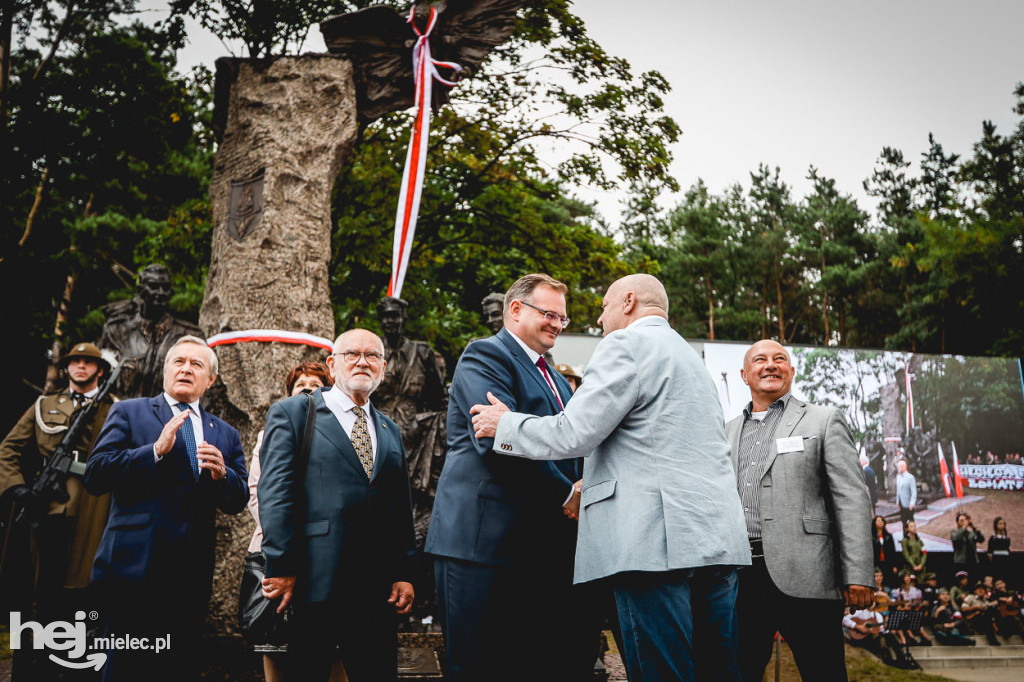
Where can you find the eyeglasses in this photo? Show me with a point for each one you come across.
(352, 357)
(552, 317)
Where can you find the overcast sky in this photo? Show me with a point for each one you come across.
(798, 82)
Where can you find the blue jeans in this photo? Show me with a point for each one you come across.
(661, 613)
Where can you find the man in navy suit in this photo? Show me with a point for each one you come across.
(503, 549)
(169, 465)
(346, 556)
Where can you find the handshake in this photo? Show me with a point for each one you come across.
(571, 508)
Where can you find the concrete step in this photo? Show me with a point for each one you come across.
(971, 662)
(939, 651)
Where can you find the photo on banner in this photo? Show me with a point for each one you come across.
(949, 416)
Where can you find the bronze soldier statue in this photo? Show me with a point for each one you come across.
(413, 395)
(492, 309)
(141, 331)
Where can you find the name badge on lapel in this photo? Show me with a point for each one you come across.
(791, 444)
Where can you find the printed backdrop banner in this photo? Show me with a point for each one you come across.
(969, 410)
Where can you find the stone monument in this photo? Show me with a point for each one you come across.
(285, 126)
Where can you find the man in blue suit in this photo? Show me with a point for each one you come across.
(169, 466)
(346, 556)
(503, 548)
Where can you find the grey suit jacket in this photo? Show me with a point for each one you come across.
(906, 490)
(659, 493)
(815, 509)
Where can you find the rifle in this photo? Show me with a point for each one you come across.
(51, 484)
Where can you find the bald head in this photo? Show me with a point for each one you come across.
(768, 371)
(630, 298)
(358, 337)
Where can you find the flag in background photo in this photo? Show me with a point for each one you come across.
(944, 472)
(956, 473)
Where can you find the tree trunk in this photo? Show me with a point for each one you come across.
(290, 124)
(824, 302)
(56, 349)
(35, 207)
(6, 32)
(711, 309)
(782, 317)
(842, 322)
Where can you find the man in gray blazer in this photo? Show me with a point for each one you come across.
(659, 515)
(807, 513)
(906, 492)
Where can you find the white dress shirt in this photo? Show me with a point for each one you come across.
(341, 405)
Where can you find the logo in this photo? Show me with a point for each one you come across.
(71, 638)
(59, 636)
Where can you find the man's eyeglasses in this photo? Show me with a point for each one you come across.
(552, 317)
(352, 357)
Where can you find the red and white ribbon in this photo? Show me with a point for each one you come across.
(269, 336)
(910, 396)
(425, 73)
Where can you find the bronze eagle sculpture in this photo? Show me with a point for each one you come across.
(379, 42)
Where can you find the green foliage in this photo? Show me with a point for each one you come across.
(939, 269)
(104, 173)
(265, 27)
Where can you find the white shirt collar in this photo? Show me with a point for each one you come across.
(89, 394)
(174, 403)
(343, 401)
(531, 353)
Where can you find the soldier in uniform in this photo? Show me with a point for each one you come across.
(141, 331)
(62, 547)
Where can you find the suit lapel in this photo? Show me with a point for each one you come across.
(529, 368)
(735, 429)
(330, 428)
(791, 416)
(562, 386)
(383, 441)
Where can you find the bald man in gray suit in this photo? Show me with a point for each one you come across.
(659, 517)
(807, 513)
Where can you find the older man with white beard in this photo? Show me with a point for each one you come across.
(342, 550)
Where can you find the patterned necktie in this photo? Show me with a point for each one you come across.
(361, 441)
(543, 365)
(190, 440)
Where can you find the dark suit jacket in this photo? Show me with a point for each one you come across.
(490, 508)
(872, 483)
(161, 520)
(352, 531)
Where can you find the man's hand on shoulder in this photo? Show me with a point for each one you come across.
(486, 417)
(859, 596)
(402, 596)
